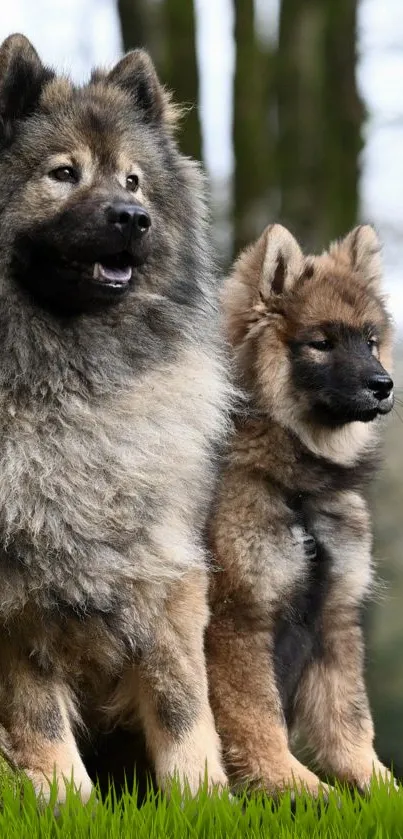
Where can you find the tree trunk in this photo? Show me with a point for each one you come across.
(252, 130)
(343, 140)
(179, 70)
(320, 117)
(132, 14)
(142, 26)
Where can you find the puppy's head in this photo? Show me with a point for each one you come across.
(311, 334)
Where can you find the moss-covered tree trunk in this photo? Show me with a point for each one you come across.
(343, 140)
(179, 70)
(132, 14)
(141, 23)
(252, 129)
(320, 117)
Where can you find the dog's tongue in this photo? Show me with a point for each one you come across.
(112, 275)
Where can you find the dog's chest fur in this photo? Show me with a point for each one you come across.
(98, 498)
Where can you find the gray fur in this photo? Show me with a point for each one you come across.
(109, 417)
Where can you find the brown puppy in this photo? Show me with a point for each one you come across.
(112, 404)
(291, 532)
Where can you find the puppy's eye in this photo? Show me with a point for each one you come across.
(65, 174)
(132, 183)
(323, 345)
(372, 343)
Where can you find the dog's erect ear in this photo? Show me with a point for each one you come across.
(283, 261)
(136, 74)
(22, 77)
(364, 251)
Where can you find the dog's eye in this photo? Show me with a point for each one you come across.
(372, 343)
(132, 183)
(64, 174)
(323, 346)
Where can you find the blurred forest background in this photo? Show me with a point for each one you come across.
(299, 151)
(297, 114)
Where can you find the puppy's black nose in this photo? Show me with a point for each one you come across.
(129, 218)
(381, 385)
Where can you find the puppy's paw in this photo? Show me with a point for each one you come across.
(296, 778)
(378, 774)
(367, 775)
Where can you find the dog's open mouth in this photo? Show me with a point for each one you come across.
(114, 271)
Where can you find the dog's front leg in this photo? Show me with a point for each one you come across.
(36, 717)
(173, 696)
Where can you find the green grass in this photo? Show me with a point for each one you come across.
(380, 815)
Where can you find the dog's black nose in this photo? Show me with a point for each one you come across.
(129, 217)
(381, 385)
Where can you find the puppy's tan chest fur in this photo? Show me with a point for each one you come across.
(279, 510)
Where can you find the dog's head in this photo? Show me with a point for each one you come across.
(87, 178)
(312, 334)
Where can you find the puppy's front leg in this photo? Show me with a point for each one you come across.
(248, 712)
(333, 709)
(174, 706)
(332, 705)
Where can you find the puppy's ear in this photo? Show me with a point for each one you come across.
(265, 270)
(364, 252)
(282, 262)
(22, 78)
(135, 73)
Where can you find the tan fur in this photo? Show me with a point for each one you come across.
(60, 763)
(288, 479)
(248, 711)
(197, 751)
